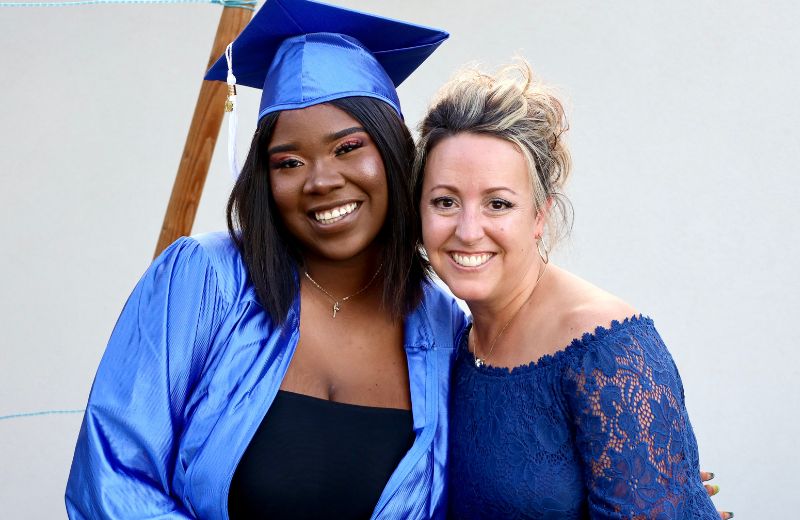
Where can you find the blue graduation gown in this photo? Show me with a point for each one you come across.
(191, 368)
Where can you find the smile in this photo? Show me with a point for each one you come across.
(329, 216)
(471, 260)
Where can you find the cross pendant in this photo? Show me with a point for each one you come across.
(335, 308)
(479, 362)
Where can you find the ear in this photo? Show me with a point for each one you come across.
(541, 218)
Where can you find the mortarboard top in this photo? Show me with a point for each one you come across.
(301, 53)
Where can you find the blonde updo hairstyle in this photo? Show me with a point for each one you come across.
(514, 106)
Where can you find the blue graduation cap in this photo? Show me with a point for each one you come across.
(301, 53)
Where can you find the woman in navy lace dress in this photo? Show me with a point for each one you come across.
(565, 401)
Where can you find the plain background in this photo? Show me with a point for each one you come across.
(686, 146)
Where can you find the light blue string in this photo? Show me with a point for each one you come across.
(35, 414)
(241, 4)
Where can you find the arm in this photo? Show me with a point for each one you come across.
(632, 430)
(125, 458)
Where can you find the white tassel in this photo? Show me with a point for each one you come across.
(233, 113)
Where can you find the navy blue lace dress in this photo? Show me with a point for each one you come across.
(598, 430)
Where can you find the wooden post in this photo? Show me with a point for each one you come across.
(202, 138)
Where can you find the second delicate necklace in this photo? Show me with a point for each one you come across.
(479, 361)
(337, 303)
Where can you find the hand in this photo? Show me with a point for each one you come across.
(713, 489)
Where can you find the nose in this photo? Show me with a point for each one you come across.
(323, 178)
(469, 229)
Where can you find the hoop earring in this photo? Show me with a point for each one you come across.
(540, 247)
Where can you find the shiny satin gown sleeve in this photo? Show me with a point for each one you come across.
(640, 457)
(125, 459)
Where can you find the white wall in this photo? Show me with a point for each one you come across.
(686, 145)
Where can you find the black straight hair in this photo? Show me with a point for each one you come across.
(271, 253)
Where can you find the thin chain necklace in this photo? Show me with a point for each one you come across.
(481, 361)
(337, 303)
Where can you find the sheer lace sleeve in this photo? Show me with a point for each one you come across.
(632, 431)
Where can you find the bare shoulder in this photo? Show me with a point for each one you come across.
(600, 312)
(586, 307)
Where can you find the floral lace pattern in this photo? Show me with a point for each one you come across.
(597, 430)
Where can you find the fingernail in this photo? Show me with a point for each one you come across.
(730, 515)
(714, 490)
(710, 475)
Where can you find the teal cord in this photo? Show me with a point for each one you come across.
(241, 4)
(250, 5)
(35, 414)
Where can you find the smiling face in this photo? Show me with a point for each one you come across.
(328, 182)
(479, 221)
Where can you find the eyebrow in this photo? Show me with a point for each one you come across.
(347, 131)
(291, 147)
(449, 187)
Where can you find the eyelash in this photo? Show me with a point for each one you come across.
(439, 201)
(286, 163)
(348, 146)
(506, 204)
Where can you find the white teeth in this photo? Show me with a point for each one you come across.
(471, 260)
(330, 216)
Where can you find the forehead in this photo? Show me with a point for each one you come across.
(475, 160)
(306, 123)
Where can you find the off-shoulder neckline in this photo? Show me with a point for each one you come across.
(578, 344)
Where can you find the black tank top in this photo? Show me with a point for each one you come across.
(314, 458)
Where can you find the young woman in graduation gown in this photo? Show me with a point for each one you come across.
(298, 366)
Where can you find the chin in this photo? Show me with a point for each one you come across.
(341, 250)
(469, 291)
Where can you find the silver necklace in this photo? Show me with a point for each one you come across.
(479, 361)
(337, 303)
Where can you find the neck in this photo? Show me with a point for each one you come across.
(342, 278)
(490, 318)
